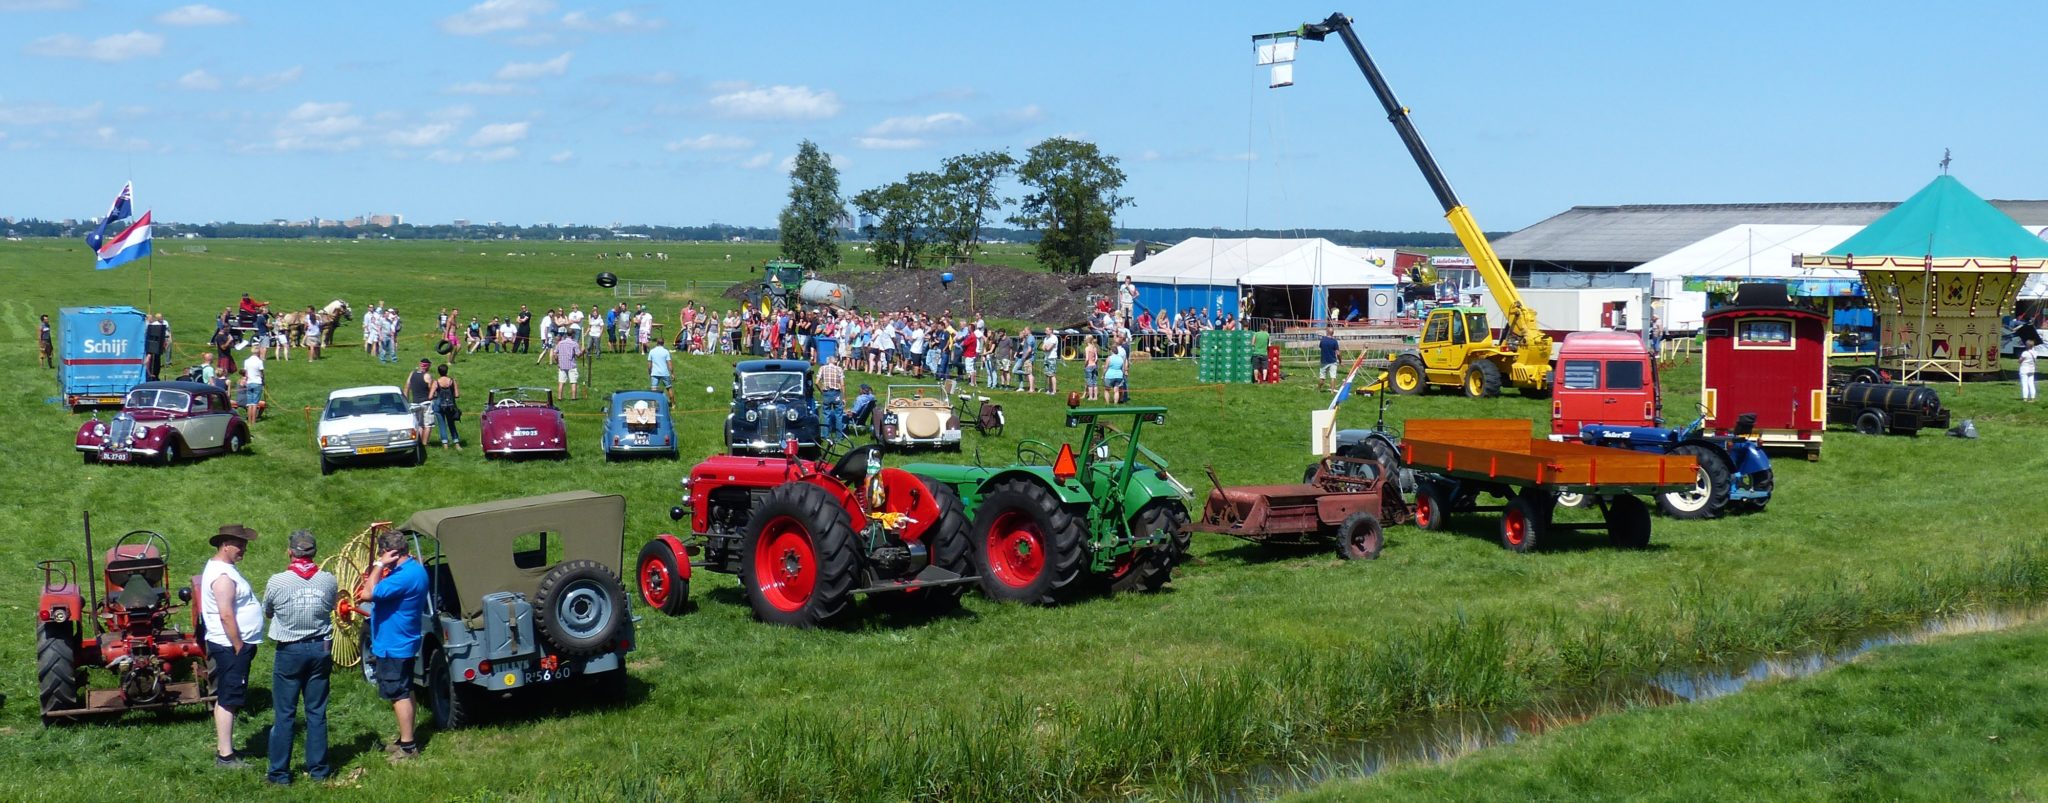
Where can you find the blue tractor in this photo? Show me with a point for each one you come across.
(1734, 471)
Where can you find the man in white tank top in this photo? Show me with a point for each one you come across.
(233, 620)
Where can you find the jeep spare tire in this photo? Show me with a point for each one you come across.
(580, 607)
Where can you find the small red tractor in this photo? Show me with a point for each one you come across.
(132, 633)
(805, 536)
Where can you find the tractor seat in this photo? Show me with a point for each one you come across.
(137, 593)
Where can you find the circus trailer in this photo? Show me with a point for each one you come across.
(1768, 356)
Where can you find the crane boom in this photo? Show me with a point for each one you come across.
(1520, 330)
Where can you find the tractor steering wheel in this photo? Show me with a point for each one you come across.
(163, 545)
(1034, 452)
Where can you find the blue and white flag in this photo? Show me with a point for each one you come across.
(126, 247)
(122, 208)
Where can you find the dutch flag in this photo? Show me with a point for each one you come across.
(126, 247)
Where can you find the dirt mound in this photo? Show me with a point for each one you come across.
(997, 292)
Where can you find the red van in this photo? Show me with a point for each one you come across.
(1603, 378)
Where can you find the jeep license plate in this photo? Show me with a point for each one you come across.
(114, 457)
(547, 675)
(524, 432)
(369, 450)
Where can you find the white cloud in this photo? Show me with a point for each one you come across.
(562, 157)
(319, 127)
(196, 15)
(711, 142)
(488, 89)
(47, 114)
(37, 5)
(107, 137)
(891, 143)
(759, 160)
(199, 81)
(497, 154)
(778, 102)
(116, 47)
(939, 124)
(492, 16)
(420, 136)
(615, 22)
(497, 134)
(1148, 155)
(271, 81)
(527, 71)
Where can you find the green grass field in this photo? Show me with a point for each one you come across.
(1252, 653)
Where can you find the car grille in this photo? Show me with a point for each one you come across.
(122, 428)
(772, 429)
(363, 437)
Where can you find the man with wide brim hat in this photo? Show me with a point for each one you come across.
(234, 626)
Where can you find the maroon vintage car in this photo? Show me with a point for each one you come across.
(522, 422)
(164, 422)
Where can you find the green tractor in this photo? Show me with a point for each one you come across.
(1061, 521)
(780, 282)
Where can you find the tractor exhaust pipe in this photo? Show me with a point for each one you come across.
(91, 571)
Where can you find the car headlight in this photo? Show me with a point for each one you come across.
(338, 440)
(99, 430)
(790, 414)
(752, 416)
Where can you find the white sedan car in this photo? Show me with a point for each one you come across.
(370, 424)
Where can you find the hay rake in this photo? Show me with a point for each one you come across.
(348, 564)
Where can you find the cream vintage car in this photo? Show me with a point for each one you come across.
(918, 416)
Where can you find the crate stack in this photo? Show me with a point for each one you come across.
(1227, 356)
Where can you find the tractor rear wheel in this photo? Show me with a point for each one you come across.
(662, 585)
(57, 669)
(1482, 380)
(1148, 569)
(1709, 494)
(579, 606)
(1407, 376)
(1359, 537)
(450, 702)
(1389, 459)
(797, 560)
(1628, 522)
(1027, 544)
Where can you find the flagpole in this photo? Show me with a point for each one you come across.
(149, 274)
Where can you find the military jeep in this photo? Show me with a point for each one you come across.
(525, 592)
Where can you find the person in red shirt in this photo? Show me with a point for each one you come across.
(970, 348)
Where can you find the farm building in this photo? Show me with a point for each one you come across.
(1280, 278)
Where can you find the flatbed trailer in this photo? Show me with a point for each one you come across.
(1457, 460)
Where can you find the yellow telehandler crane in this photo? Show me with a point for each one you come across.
(1457, 348)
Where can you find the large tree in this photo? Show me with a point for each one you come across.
(901, 217)
(1072, 199)
(810, 223)
(966, 196)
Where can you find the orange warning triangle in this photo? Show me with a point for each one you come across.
(1064, 469)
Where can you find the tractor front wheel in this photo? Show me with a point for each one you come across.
(662, 585)
(797, 560)
(1408, 377)
(1709, 494)
(57, 669)
(1359, 537)
(1028, 545)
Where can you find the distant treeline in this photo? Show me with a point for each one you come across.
(45, 228)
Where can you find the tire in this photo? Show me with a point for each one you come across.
(1027, 545)
(1762, 481)
(57, 669)
(1572, 499)
(1709, 495)
(90, 457)
(1522, 525)
(1539, 394)
(1308, 475)
(579, 607)
(1628, 522)
(1407, 376)
(326, 466)
(949, 548)
(419, 454)
(1482, 380)
(797, 559)
(660, 578)
(451, 703)
(1873, 422)
(1432, 511)
(237, 441)
(1149, 569)
(1389, 459)
(174, 450)
(1360, 537)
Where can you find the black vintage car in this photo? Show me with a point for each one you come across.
(772, 400)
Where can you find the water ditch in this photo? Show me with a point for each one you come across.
(1438, 738)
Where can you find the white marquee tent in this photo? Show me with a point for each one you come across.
(1749, 250)
(1208, 273)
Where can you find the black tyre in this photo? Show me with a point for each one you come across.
(660, 578)
(1308, 475)
(1389, 459)
(1628, 522)
(326, 466)
(1522, 524)
(57, 669)
(797, 558)
(238, 441)
(1709, 495)
(1432, 508)
(579, 606)
(90, 457)
(1542, 393)
(1149, 569)
(174, 450)
(1027, 545)
(451, 703)
(1873, 422)
(1572, 499)
(1360, 537)
(419, 455)
(1482, 380)
(1407, 376)
(950, 549)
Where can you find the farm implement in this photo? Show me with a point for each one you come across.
(131, 633)
(1343, 500)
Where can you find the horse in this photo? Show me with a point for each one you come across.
(331, 317)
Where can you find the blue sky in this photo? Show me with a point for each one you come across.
(593, 112)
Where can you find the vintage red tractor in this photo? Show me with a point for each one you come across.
(131, 633)
(805, 536)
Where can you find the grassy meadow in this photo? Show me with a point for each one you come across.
(1252, 653)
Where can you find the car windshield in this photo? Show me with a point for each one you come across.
(372, 404)
(772, 383)
(158, 399)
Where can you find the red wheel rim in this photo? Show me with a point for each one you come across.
(1016, 549)
(1123, 565)
(785, 564)
(1425, 512)
(1515, 526)
(655, 582)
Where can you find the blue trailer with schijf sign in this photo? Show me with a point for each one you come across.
(103, 354)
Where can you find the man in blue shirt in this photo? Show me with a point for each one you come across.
(659, 375)
(1328, 346)
(396, 587)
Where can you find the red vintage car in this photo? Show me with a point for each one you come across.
(521, 422)
(164, 422)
